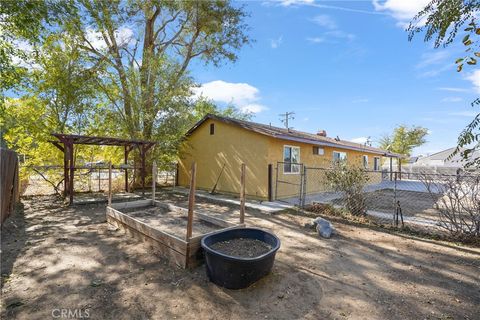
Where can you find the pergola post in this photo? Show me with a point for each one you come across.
(127, 151)
(72, 169)
(143, 172)
(69, 140)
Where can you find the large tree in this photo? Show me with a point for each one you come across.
(442, 21)
(142, 51)
(404, 139)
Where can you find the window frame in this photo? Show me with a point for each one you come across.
(212, 129)
(376, 166)
(317, 149)
(291, 164)
(365, 165)
(339, 159)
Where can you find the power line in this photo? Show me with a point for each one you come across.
(287, 116)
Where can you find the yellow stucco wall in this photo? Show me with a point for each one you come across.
(230, 145)
(233, 145)
(315, 177)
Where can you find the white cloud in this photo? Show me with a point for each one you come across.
(312, 3)
(333, 32)
(464, 113)
(452, 89)
(401, 10)
(287, 3)
(275, 43)
(361, 140)
(433, 63)
(340, 34)
(123, 36)
(253, 108)
(242, 95)
(432, 58)
(474, 78)
(325, 21)
(452, 99)
(24, 61)
(316, 39)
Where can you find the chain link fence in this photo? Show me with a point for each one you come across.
(449, 201)
(47, 180)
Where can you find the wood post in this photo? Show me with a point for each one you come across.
(142, 154)
(242, 193)
(270, 183)
(65, 170)
(191, 201)
(110, 183)
(127, 151)
(72, 168)
(154, 179)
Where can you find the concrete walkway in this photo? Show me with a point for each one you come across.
(407, 219)
(264, 206)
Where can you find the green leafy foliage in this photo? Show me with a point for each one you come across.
(404, 139)
(351, 180)
(442, 21)
(110, 68)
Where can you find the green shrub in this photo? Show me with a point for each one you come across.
(350, 180)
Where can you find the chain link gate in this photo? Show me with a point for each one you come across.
(290, 183)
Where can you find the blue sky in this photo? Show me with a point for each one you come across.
(346, 67)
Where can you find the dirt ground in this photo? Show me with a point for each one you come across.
(172, 222)
(55, 257)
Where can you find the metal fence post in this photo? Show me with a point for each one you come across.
(304, 187)
(276, 182)
(394, 196)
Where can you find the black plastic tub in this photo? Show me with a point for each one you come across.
(235, 272)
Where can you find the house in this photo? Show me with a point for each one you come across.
(443, 159)
(270, 154)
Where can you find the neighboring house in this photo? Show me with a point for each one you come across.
(216, 142)
(442, 159)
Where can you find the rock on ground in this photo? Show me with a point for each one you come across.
(324, 227)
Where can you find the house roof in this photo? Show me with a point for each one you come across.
(294, 135)
(445, 154)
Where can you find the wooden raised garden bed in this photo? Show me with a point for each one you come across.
(173, 232)
(160, 225)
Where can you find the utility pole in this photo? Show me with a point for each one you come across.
(287, 116)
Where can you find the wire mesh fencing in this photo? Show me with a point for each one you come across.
(448, 201)
(47, 180)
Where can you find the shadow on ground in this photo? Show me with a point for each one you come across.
(57, 257)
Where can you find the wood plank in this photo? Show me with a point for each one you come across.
(191, 201)
(173, 257)
(213, 220)
(170, 240)
(201, 214)
(132, 204)
(197, 239)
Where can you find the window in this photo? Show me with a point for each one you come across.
(212, 128)
(291, 158)
(318, 151)
(376, 164)
(339, 156)
(365, 161)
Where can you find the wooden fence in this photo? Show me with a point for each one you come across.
(9, 183)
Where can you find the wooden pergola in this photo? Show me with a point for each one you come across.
(66, 143)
